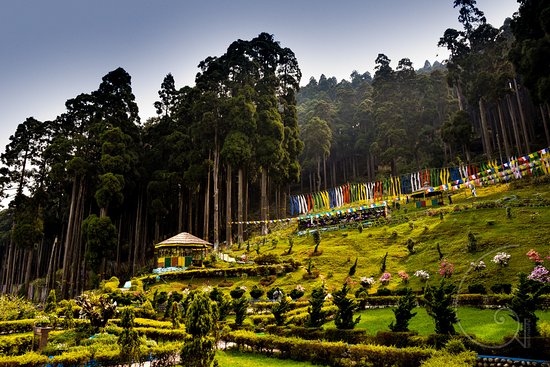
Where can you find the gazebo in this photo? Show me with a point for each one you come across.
(182, 250)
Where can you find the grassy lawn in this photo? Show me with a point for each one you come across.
(487, 325)
(231, 358)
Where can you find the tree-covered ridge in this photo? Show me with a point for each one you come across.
(91, 191)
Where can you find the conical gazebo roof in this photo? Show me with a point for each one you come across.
(183, 239)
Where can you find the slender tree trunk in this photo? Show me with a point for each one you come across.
(28, 270)
(514, 124)
(51, 272)
(263, 201)
(459, 97)
(240, 203)
(333, 173)
(545, 124)
(228, 193)
(325, 172)
(137, 231)
(504, 132)
(216, 179)
(522, 118)
(190, 213)
(68, 241)
(206, 205)
(318, 176)
(485, 129)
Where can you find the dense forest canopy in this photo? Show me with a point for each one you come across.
(91, 191)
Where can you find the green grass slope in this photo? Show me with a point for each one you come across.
(485, 216)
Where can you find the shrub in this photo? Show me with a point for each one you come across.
(505, 288)
(383, 291)
(280, 309)
(237, 293)
(240, 306)
(256, 292)
(383, 264)
(316, 317)
(403, 312)
(472, 242)
(410, 245)
(438, 303)
(267, 259)
(346, 307)
(297, 292)
(15, 308)
(477, 288)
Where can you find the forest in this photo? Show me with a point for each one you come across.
(93, 190)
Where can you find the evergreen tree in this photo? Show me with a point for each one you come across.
(280, 309)
(240, 306)
(316, 316)
(128, 340)
(346, 307)
(524, 304)
(403, 314)
(199, 349)
(439, 305)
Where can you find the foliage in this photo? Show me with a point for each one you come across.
(346, 307)
(256, 292)
(385, 278)
(316, 240)
(128, 340)
(438, 303)
(280, 310)
(353, 268)
(222, 301)
(237, 293)
(240, 305)
(410, 245)
(383, 264)
(316, 316)
(96, 308)
(15, 308)
(524, 304)
(199, 349)
(446, 268)
(51, 302)
(403, 314)
(472, 242)
(297, 292)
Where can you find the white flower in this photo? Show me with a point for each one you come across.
(422, 274)
(501, 258)
(328, 297)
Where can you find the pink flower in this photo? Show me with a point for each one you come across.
(385, 278)
(535, 256)
(404, 276)
(446, 269)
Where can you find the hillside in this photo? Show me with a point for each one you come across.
(485, 216)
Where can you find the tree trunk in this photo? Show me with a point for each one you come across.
(215, 177)
(206, 206)
(318, 182)
(545, 123)
(137, 232)
(504, 132)
(240, 236)
(484, 129)
(514, 124)
(68, 241)
(522, 119)
(51, 272)
(28, 270)
(263, 201)
(180, 209)
(325, 172)
(228, 233)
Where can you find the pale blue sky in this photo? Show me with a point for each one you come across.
(54, 50)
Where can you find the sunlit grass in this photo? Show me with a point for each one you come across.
(233, 358)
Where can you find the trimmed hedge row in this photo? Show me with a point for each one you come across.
(337, 354)
(159, 335)
(255, 270)
(140, 322)
(163, 355)
(18, 326)
(15, 344)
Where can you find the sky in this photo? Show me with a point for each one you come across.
(54, 50)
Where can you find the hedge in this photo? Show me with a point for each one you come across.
(255, 270)
(15, 344)
(337, 354)
(163, 355)
(159, 335)
(17, 326)
(140, 322)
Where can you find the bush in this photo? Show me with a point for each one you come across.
(477, 288)
(256, 292)
(502, 288)
(237, 293)
(383, 292)
(15, 308)
(267, 259)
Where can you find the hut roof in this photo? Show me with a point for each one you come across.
(183, 239)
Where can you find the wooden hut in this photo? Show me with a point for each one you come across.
(182, 250)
